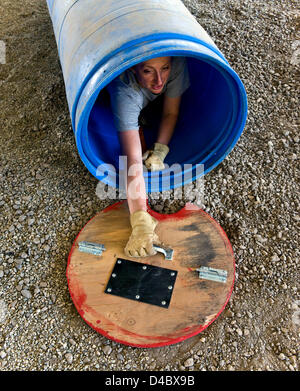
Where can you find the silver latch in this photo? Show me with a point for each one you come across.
(168, 252)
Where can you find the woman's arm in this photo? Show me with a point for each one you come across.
(142, 238)
(169, 119)
(136, 190)
(154, 159)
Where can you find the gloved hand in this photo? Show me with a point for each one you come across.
(154, 158)
(142, 238)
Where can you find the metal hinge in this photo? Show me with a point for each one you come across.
(91, 248)
(209, 273)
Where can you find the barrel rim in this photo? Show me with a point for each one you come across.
(210, 57)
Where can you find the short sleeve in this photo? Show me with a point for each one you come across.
(126, 104)
(179, 80)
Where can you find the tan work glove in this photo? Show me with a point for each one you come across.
(154, 158)
(142, 238)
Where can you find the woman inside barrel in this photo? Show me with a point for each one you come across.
(158, 82)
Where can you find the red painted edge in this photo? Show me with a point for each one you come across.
(180, 214)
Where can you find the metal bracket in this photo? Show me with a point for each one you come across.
(91, 248)
(209, 273)
(168, 252)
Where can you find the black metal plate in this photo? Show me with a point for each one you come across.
(141, 282)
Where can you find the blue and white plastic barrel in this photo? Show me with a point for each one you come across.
(98, 40)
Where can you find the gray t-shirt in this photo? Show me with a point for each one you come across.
(128, 98)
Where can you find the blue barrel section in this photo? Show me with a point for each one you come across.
(98, 40)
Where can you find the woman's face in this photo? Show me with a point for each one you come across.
(153, 74)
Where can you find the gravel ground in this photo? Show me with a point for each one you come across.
(47, 195)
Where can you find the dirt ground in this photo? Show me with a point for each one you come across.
(47, 195)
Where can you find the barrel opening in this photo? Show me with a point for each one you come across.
(208, 123)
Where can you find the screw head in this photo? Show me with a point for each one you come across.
(163, 303)
(172, 274)
(144, 267)
(108, 289)
(137, 297)
(170, 287)
(119, 261)
(114, 275)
